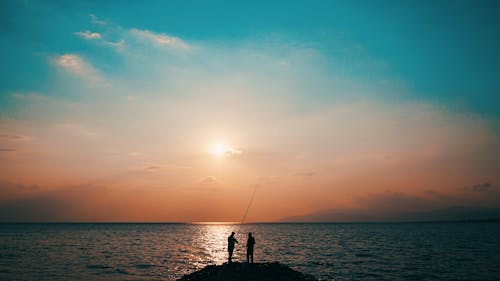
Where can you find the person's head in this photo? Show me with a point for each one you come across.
(249, 234)
(232, 233)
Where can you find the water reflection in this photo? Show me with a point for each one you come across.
(168, 251)
(211, 240)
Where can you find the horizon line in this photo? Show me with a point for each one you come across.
(248, 223)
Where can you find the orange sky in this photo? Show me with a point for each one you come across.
(155, 161)
(184, 130)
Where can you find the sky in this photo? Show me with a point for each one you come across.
(184, 111)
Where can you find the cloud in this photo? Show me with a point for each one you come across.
(160, 39)
(7, 186)
(118, 45)
(305, 174)
(209, 180)
(152, 168)
(8, 142)
(398, 206)
(12, 137)
(482, 187)
(230, 151)
(268, 179)
(392, 201)
(88, 35)
(77, 66)
(176, 167)
(120, 36)
(360, 140)
(453, 213)
(114, 31)
(95, 20)
(72, 63)
(66, 204)
(9, 190)
(170, 167)
(285, 63)
(98, 203)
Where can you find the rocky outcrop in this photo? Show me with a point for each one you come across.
(247, 272)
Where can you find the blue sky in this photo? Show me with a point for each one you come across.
(444, 51)
(330, 105)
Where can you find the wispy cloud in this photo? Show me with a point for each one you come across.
(77, 66)
(160, 39)
(319, 137)
(9, 142)
(209, 180)
(13, 137)
(72, 63)
(47, 206)
(88, 35)
(481, 187)
(165, 167)
(395, 201)
(398, 206)
(152, 168)
(231, 151)
(116, 36)
(9, 190)
(305, 174)
(95, 20)
(118, 45)
(176, 167)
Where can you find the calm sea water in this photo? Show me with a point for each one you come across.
(392, 251)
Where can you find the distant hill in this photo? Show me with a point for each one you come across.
(455, 213)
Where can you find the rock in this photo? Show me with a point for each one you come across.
(247, 272)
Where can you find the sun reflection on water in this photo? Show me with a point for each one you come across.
(116, 252)
(211, 239)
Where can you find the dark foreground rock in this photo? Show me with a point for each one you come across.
(247, 272)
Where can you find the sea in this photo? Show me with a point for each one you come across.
(329, 251)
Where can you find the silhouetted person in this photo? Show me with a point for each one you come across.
(250, 244)
(230, 246)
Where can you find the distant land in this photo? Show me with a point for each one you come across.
(454, 213)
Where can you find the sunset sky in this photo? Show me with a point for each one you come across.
(176, 111)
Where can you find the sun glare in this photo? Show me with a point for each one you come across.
(218, 149)
(221, 149)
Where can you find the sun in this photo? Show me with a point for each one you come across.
(219, 149)
(223, 149)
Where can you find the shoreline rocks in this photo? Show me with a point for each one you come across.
(247, 272)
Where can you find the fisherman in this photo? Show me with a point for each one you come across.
(250, 244)
(230, 246)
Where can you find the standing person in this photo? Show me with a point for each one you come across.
(250, 244)
(230, 246)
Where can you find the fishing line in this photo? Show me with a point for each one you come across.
(248, 208)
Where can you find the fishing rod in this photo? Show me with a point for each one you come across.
(248, 208)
